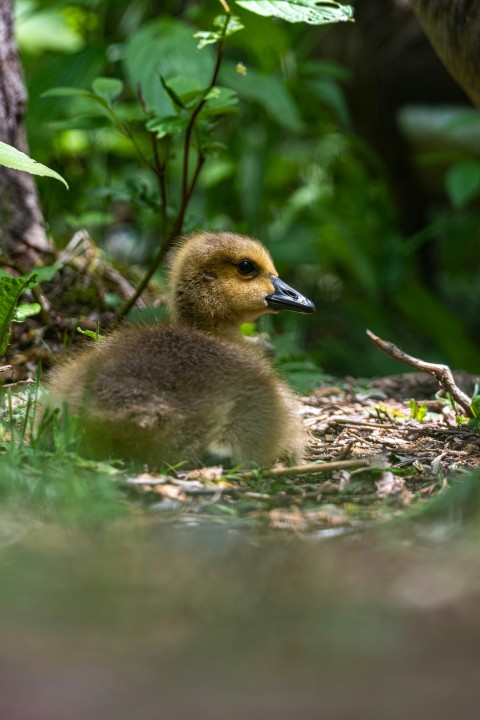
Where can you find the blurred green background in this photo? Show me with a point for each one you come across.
(366, 197)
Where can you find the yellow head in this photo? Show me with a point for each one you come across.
(219, 280)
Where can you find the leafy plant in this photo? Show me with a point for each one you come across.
(11, 289)
(475, 404)
(179, 101)
(52, 482)
(417, 411)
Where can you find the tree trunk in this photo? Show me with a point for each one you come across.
(453, 28)
(22, 233)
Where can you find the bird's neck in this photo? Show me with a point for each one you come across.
(206, 323)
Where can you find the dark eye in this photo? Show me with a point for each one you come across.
(247, 267)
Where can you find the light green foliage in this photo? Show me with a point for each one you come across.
(13, 158)
(11, 289)
(165, 48)
(270, 93)
(417, 412)
(303, 374)
(169, 125)
(93, 334)
(463, 182)
(224, 26)
(41, 473)
(308, 11)
(475, 404)
(45, 29)
(300, 370)
(219, 101)
(99, 101)
(107, 88)
(25, 310)
(248, 329)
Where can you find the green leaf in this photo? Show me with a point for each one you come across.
(177, 103)
(206, 38)
(213, 36)
(463, 182)
(107, 88)
(13, 158)
(25, 310)
(314, 12)
(46, 30)
(77, 92)
(303, 375)
(94, 334)
(475, 406)
(234, 24)
(68, 92)
(331, 94)
(475, 403)
(46, 273)
(220, 100)
(10, 290)
(185, 90)
(417, 412)
(249, 329)
(165, 48)
(167, 125)
(270, 93)
(28, 280)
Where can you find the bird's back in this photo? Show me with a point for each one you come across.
(167, 394)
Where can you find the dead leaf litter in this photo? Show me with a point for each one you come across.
(408, 460)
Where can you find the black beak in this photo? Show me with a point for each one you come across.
(286, 298)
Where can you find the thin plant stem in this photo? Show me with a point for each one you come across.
(159, 168)
(195, 114)
(187, 188)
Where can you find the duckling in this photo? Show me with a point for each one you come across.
(194, 390)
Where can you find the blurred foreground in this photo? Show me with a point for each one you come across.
(150, 620)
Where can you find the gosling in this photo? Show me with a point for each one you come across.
(194, 391)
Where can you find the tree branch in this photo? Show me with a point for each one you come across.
(441, 372)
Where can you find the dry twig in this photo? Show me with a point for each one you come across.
(441, 372)
(314, 468)
(196, 487)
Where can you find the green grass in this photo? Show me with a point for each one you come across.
(51, 482)
(42, 477)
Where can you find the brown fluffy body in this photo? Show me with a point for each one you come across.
(194, 390)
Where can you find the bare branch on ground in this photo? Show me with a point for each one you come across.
(314, 468)
(441, 372)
